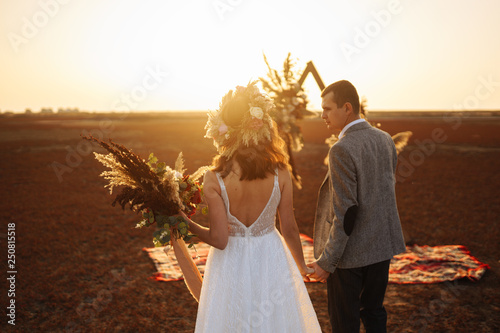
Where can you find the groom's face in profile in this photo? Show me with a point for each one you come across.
(334, 116)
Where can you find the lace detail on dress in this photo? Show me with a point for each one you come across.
(264, 224)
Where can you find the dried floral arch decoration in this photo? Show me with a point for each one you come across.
(290, 99)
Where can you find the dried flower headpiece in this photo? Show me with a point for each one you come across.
(255, 127)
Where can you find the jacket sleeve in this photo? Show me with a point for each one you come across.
(343, 186)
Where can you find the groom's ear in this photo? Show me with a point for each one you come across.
(349, 219)
(348, 108)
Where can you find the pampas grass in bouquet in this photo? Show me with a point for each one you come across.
(159, 193)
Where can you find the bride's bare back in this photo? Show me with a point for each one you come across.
(248, 198)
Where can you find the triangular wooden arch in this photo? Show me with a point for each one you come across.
(311, 69)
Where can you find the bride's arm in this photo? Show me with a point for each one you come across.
(288, 225)
(217, 235)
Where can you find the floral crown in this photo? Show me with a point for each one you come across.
(255, 127)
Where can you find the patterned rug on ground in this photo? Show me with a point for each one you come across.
(419, 264)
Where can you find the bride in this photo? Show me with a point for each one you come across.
(254, 275)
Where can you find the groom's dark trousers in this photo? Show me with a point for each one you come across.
(358, 292)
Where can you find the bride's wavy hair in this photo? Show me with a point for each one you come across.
(256, 160)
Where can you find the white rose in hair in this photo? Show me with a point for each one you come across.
(256, 112)
(223, 129)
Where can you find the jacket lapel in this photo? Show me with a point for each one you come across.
(325, 181)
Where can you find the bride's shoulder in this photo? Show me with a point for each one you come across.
(210, 178)
(210, 182)
(284, 172)
(284, 177)
(209, 174)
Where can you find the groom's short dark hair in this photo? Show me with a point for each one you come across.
(343, 92)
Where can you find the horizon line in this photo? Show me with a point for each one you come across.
(76, 111)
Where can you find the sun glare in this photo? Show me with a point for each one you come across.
(91, 54)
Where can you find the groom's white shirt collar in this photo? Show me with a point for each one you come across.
(357, 121)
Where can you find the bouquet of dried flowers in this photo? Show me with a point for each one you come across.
(152, 188)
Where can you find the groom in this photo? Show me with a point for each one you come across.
(357, 229)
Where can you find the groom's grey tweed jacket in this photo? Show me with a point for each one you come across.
(360, 182)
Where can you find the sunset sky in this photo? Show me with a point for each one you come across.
(100, 55)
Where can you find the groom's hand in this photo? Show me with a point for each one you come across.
(319, 273)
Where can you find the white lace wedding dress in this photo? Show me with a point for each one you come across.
(254, 285)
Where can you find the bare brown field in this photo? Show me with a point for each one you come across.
(79, 261)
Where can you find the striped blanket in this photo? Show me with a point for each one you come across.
(419, 264)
